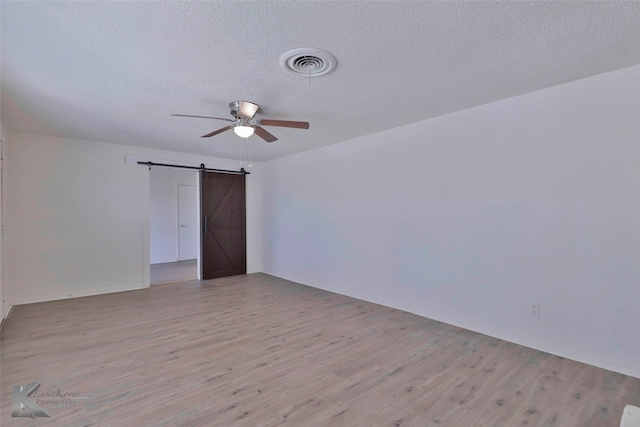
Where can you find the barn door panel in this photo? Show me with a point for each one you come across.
(223, 225)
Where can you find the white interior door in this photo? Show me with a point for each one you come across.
(188, 222)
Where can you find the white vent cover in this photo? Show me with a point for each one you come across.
(308, 62)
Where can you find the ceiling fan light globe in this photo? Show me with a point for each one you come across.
(243, 131)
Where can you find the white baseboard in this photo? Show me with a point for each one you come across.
(76, 294)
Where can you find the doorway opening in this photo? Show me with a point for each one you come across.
(174, 226)
(197, 225)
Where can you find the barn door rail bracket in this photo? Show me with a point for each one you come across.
(200, 168)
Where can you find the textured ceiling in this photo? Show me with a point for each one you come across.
(115, 71)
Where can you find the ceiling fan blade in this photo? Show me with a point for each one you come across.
(247, 109)
(215, 132)
(262, 133)
(285, 123)
(203, 117)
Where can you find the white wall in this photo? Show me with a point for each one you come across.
(4, 307)
(77, 217)
(164, 211)
(471, 217)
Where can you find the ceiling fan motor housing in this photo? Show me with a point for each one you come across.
(234, 107)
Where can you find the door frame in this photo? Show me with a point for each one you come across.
(146, 281)
(137, 160)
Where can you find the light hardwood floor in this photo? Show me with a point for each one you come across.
(174, 272)
(260, 351)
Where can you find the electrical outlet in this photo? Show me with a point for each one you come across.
(535, 310)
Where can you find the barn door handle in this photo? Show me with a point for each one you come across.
(205, 225)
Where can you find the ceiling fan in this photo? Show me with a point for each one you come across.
(244, 124)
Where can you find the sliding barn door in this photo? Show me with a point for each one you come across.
(224, 248)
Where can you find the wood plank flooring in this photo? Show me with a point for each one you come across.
(174, 272)
(256, 350)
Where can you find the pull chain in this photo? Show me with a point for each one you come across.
(248, 153)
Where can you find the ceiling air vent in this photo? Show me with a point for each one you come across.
(308, 62)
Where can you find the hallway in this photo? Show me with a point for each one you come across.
(174, 272)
